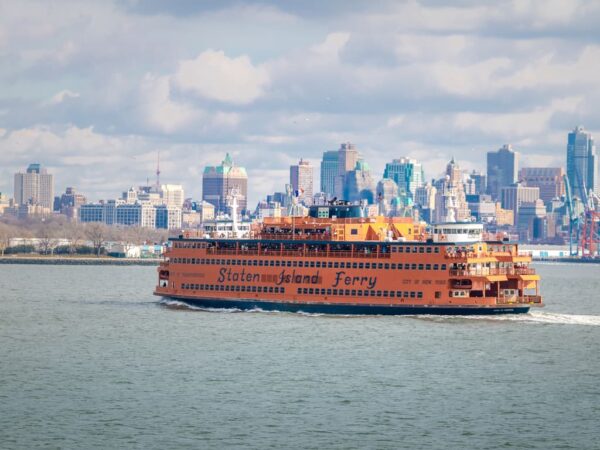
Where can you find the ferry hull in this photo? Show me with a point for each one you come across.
(349, 309)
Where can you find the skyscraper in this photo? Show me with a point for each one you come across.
(301, 179)
(582, 162)
(35, 187)
(548, 179)
(348, 156)
(502, 167)
(220, 181)
(451, 202)
(359, 184)
(329, 172)
(408, 175)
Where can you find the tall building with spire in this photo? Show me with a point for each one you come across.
(582, 162)
(34, 187)
(218, 182)
(301, 179)
(502, 170)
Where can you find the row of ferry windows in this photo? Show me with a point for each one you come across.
(361, 293)
(307, 264)
(228, 288)
(394, 248)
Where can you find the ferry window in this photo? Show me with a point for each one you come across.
(310, 290)
(282, 290)
(271, 263)
(367, 265)
(355, 265)
(353, 292)
(318, 264)
(406, 294)
(254, 262)
(359, 293)
(299, 291)
(304, 290)
(392, 293)
(361, 265)
(443, 266)
(347, 292)
(227, 288)
(436, 266)
(322, 291)
(260, 262)
(294, 263)
(419, 294)
(378, 293)
(412, 294)
(436, 250)
(288, 263)
(413, 266)
(380, 265)
(428, 249)
(312, 264)
(335, 292)
(237, 289)
(245, 262)
(427, 266)
(399, 294)
(328, 291)
(420, 266)
(415, 250)
(336, 265)
(421, 249)
(400, 249)
(230, 262)
(366, 293)
(329, 264)
(276, 263)
(253, 288)
(385, 293)
(387, 266)
(393, 266)
(354, 231)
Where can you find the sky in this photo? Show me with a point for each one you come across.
(94, 90)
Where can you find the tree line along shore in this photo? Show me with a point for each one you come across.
(57, 236)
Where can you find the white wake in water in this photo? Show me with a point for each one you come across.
(176, 304)
(538, 317)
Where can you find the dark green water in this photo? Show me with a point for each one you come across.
(90, 359)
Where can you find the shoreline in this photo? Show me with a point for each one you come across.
(79, 261)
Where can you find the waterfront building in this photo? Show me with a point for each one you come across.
(218, 182)
(502, 167)
(582, 162)
(70, 202)
(329, 172)
(531, 214)
(408, 175)
(549, 179)
(517, 194)
(172, 195)
(137, 214)
(168, 217)
(301, 180)
(482, 208)
(4, 202)
(34, 187)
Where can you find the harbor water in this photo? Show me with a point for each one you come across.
(89, 358)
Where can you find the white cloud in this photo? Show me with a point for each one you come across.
(61, 96)
(159, 110)
(215, 76)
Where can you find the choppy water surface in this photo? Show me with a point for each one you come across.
(89, 358)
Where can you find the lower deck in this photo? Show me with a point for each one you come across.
(348, 308)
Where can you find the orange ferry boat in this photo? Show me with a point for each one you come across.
(335, 261)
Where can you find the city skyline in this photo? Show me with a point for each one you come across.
(283, 81)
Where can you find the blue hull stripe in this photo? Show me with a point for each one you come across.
(350, 309)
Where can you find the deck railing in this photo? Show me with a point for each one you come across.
(485, 271)
(301, 252)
